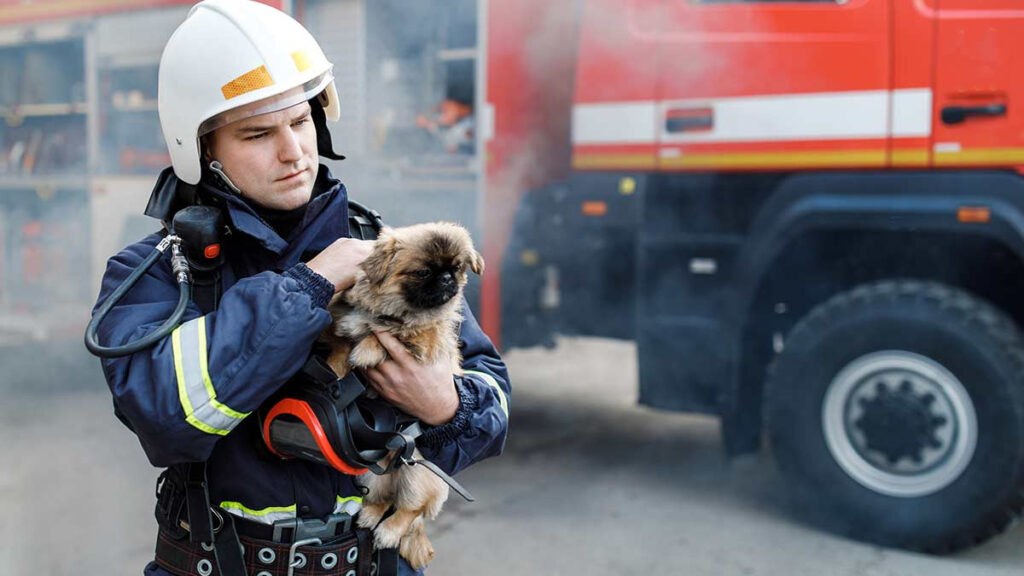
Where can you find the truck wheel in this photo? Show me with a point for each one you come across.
(896, 414)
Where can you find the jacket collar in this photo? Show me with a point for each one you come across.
(325, 221)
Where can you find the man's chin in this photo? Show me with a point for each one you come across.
(296, 195)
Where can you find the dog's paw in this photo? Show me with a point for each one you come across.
(394, 527)
(387, 535)
(370, 515)
(368, 353)
(416, 549)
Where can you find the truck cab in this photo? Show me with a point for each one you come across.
(809, 215)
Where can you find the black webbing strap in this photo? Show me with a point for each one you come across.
(387, 562)
(365, 539)
(206, 290)
(227, 551)
(197, 497)
(386, 559)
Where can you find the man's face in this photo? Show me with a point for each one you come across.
(271, 158)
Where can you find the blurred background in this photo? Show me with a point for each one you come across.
(755, 267)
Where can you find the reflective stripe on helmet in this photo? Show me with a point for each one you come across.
(195, 390)
(502, 400)
(302, 60)
(274, 103)
(252, 80)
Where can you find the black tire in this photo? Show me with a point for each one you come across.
(976, 343)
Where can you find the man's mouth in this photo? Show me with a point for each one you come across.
(291, 176)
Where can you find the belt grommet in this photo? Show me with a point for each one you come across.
(300, 560)
(264, 573)
(204, 567)
(330, 560)
(350, 573)
(353, 554)
(207, 547)
(373, 569)
(266, 555)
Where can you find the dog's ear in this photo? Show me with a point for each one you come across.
(378, 264)
(476, 263)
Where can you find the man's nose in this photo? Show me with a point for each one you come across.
(289, 147)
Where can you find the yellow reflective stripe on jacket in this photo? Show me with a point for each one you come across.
(502, 400)
(347, 504)
(351, 505)
(264, 516)
(195, 390)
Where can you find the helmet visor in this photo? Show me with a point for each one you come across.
(274, 103)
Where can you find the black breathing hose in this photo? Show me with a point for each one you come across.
(180, 266)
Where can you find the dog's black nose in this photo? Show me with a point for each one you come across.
(446, 280)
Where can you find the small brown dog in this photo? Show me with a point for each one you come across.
(409, 286)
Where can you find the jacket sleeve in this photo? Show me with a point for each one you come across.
(198, 383)
(480, 425)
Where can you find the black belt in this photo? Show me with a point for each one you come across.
(346, 556)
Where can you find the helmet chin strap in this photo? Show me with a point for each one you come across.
(218, 169)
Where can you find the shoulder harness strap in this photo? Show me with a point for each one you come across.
(363, 223)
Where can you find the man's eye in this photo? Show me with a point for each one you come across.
(301, 122)
(257, 136)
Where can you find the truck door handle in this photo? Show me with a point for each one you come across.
(957, 114)
(690, 120)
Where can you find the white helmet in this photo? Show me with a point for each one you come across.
(230, 54)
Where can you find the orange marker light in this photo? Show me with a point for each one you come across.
(974, 214)
(594, 208)
(211, 251)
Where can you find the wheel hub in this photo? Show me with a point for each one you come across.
(899, 423)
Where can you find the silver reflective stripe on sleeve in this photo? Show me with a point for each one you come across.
(502, 400)
(195, 390)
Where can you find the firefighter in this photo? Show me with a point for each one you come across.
(244, 96)
(452, 124)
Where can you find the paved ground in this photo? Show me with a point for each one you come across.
(590, 484)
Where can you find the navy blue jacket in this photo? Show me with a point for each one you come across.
(188, 397)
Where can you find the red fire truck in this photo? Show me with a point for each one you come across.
(808, 214)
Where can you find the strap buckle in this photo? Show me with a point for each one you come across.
(312, 529)
(297, 559)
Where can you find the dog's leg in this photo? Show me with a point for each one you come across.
(368, 352)
(379, 497)
(338, 360)
(389, 533)
(415, 546)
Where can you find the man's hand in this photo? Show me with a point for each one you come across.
(426, 391)
(339, 262)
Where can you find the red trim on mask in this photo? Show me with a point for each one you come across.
(303, 412)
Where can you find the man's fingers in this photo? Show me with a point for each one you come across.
(386, 370)
(374, 376)
(394, 346)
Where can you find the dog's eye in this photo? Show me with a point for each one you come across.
(424, 273)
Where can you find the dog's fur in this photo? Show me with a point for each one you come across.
(402, 288)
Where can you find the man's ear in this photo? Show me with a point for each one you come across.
(204, 148)
(378, 264)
